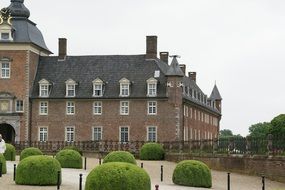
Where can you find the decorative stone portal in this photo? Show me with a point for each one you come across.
(10, 128)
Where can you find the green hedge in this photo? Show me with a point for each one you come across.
(30, 152)
(192, 173)
(10, 153)
(120, 156)
(37, 170)
(3, 161)
(152, 151)
(118, 176)
(69, 159)
(74, 148)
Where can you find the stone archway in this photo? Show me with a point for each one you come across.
(8, 132)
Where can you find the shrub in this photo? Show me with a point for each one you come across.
(10, 153)
(192, 173)
(69, 159)
(152, 151)
(30, 152)
(120, 156)
(3, 161)
(37, 170)
(118, 176)
(74, 148)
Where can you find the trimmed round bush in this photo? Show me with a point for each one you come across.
(3, 161)
(118, 176)
(120, 156)
(69, 159)
(10, 153)
(37, 170)
(74, 148)
(30, 152)
(152, 151)
(192, 173)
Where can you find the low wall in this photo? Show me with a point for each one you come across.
(269, 166)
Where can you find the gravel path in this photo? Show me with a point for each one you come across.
(70, 179)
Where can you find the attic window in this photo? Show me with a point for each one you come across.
(124, 87)
(44, 88)
(97, 87)
(156, 74)
(70, 88)
(151, 87)
(5, 36)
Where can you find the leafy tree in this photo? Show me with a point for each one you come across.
(278, 125)
(226, 133)
(260, 130)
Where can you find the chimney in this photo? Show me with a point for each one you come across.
(62, 48)
(183, 68)
(192, 76)
(151, 47)
(164, 56)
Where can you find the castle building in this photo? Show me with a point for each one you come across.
(92, 98)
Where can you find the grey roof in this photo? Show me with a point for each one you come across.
(174, 69)
(215, 95)
(111, 69)
(18, 9)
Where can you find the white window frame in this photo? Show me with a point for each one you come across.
(70, 87)
(98, 83)
(152, 109)
(43, 134)
(93, 133)
(124, 87)
(120, 133)
(151, 87)
(95, 105)
(44, 88)
(70, 132)
(148, 133)
(17, 106)
(124, 109)
(5, 71)
(43, 107)
(69, 106)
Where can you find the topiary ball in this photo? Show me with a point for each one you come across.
(152, 151)
(192, 173)
(3, 161)
(74, 148)
(37, 170)
(69, 159)
(10, 152)
(118, 176)
(30, 152)
(120, 156)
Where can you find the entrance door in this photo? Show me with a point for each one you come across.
(8, 132)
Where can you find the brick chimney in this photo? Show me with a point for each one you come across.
(151, 47)
(62, 48)
(164, 56)
(183, 68)
(192, 76)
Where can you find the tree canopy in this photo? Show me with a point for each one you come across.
(226, 133)
(260, 130)
(278, 125)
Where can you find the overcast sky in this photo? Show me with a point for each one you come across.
(240, 44)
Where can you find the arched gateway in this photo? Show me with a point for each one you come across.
(8, 132)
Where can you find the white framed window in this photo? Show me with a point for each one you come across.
(97, 133)
(186, 111)
(43, 108)
(151, 107)
(97, 108)
(19, 106)
(69, 134)
(97, 87)
(124, 134)
(124, 107)
(124, 87)
(43, 134)
(151, 87)
(5, 70)
(44, 88)
(70, 108)
(70, 88)
(152, 133)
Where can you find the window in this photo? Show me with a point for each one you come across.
(185, 110)
(43, 108)
(44, 90)
(124, 87)
(19, 106)
(151, 87)
(5, 36)
(69, 134)
(97, 108)
(152, 108)
(70, 92)
(70, 108)
(124, 108)
(124, 134)
(5, 70)
(43, 134)
(151, 134)
(97, 133)
(97, 87)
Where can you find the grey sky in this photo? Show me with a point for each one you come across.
(240, 43)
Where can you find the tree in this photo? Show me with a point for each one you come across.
(278, 125)
(226, 133)
(260, 130)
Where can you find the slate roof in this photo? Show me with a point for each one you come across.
(215, 95)
(174, 69)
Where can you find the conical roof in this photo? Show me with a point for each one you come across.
(174, 69)
(215, 95)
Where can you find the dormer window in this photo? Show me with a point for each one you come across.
(151, 87)
(97, 88)
(6, 32)
(70, 88)
(44, 88)
(124, 87)
(5, 36)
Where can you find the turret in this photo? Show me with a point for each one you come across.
(216, 98)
